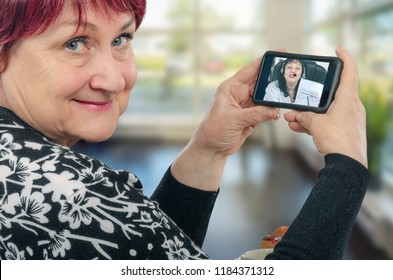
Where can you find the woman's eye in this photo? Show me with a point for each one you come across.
(122, 40)
(76, 45)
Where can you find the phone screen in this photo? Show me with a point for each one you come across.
(301, 82)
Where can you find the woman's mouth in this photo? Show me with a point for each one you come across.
(94, 105)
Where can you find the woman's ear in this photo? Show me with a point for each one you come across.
(2, 61)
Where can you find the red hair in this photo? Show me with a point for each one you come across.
(21, 19)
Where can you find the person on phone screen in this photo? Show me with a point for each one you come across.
(284, 89)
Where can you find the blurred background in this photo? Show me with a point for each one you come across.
(186, 48)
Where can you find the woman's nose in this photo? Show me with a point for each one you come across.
(107, 74)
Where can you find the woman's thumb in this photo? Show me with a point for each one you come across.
(305, 119)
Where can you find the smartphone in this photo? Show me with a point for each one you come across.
(297, 81)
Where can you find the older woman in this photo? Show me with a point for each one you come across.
(284, 89)
(66, 72)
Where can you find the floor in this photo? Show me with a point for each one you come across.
(261, 190)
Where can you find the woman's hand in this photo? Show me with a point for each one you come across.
(229, 121)
(232, 115)
(343, 128)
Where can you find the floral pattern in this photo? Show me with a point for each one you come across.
(59, 204)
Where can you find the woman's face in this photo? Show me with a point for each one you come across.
(293, 71)
(69, 84)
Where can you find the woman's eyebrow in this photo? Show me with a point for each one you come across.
(128, 24)
(93, 26)
(77, 23)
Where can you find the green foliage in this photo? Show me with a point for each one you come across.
(236, 61)
(150, 63)
(376, 97)
(180, 43)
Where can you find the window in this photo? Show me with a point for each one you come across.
(185, 48)
(366, 28)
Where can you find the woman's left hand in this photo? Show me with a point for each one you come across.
(229, 121)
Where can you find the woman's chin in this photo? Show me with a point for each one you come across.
(98, 136)
(96, 139)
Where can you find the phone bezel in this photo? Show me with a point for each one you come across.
(329, 89)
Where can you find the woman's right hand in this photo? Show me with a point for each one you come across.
(343, 128)
(230, 120)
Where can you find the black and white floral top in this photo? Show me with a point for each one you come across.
(59, 204)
